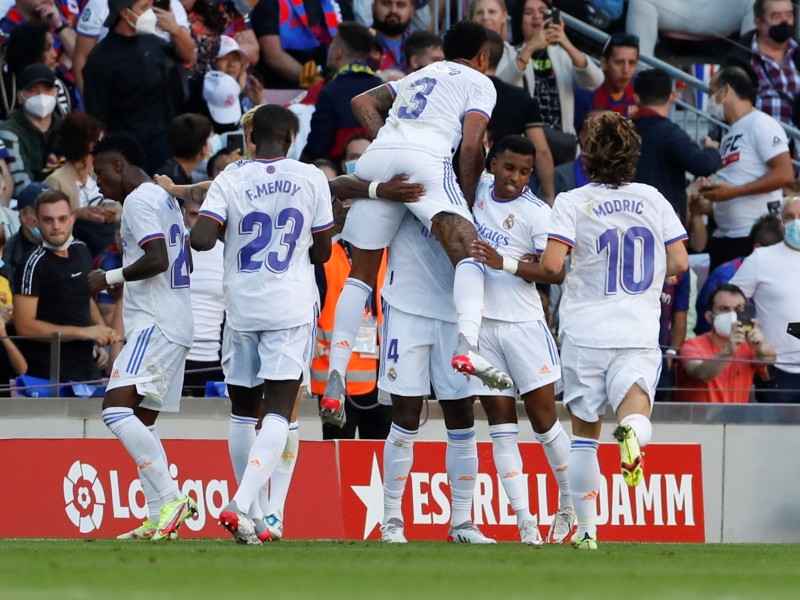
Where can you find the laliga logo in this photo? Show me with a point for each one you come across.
(84, 497)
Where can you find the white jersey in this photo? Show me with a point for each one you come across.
(747, 146)
(430, 105)
(271, 209)
(419, 276)
(514, 227)
(612, 293)
(95, 12)
(150, 213)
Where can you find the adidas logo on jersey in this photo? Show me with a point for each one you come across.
(544, 370)
(115, 373)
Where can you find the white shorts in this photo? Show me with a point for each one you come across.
(415, 353)
(155, 366)
(594, 377)
(526, 351)
(372, 224)
(250, 357)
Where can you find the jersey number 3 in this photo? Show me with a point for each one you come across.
(422, 88)
(289, 221)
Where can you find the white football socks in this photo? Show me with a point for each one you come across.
(150, 494)
(282, 475)
(641, 426)
(556, 446)
(241, 436)
(461, 460)
(264, 455)
(468, 298)
(398, 454)
(584, 481)
(508, 462)
(346, 321)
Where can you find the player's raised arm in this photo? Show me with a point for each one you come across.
(371, 108)
(470, 165)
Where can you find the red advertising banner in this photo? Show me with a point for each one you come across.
(89, 489)
(666, 507)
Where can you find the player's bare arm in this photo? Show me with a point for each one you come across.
(320, 250)
(530, 271)
(677, 259)
(470, 165)
(371, 108)
(204, 233)
(195, 192)
(350, 187)
(154, 261)
(555, 253)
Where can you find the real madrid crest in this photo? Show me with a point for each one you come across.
(509, 222)
(392, 374)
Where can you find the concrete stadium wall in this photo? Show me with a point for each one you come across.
(750, 453)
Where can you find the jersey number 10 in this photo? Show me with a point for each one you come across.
(632, 267)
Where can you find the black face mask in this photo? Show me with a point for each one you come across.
(780, 33)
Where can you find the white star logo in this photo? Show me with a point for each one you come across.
(371, 496)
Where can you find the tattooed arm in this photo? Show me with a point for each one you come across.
(371, 108)
(195, 192)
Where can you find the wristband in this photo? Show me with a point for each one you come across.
(61, 27)
(510, 265)
(115, 277)
(671, 352)
(373, 189)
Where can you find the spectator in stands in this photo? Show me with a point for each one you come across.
(108, 259)
(771, 57)
(710, 369)
(619, 61)
(28, 238)
(571, 175)
(293, 36)
(755, 165)
(6, 185)
(232, 60)
(221, 97)
(221, 159)
(29, 131)
(188, 138)
(327, 167)
(766, 231)
(422, 48)
(493, 15)
(94, 217)
(28, 44)
(391, 20)
(553, 67)
(12, 363)
(355, 147)
(60, 17)
(517, 113)
(52, 296)
(141, 101)
(769, 277)
(172, 26)
(667, 150)
(333, 122)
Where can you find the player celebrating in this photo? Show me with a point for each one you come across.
(514, 333)
(417, 123)
(147, 376)
(625, 238)
(277, 220)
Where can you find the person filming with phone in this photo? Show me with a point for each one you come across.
(717, 366)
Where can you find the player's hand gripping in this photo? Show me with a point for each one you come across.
(483, 252)
(98, 283)
(397, 190)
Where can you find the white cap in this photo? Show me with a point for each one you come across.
(221, 93)
(227, 45)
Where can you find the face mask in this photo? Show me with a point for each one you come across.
(723, 323)
(63, 246)
(40, 106)
(780, 33)
(791, 234)
(715, 109)
(145, 22)
(36, 232)
(350, 166)
(215, 144)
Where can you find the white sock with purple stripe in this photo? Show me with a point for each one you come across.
(346, 321)
(468, 298)
(398, 454)
(556, 446)
(241, 437)
(508, 462)
(584, 481)
(461, 461)
(282, 475)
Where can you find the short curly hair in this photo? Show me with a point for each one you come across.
(611, 149)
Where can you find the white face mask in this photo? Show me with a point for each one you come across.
(715, 108)
(145, 22)
(63, 246)
(723, 323)
(40, 106)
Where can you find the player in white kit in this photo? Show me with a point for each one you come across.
(513, 224)
(147, 376)
(418, 123)
(277, 220)
(625, 239)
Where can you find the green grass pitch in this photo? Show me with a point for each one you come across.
(199, 569)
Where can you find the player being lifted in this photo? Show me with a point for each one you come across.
(417, 123)
(514, 334)
(147, 376)
(625, 239)
(277, 221)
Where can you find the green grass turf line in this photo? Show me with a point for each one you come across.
(199, 569)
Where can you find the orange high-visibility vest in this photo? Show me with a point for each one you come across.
(362, 373)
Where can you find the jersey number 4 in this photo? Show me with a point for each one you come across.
(633, 266)
(289, 221)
